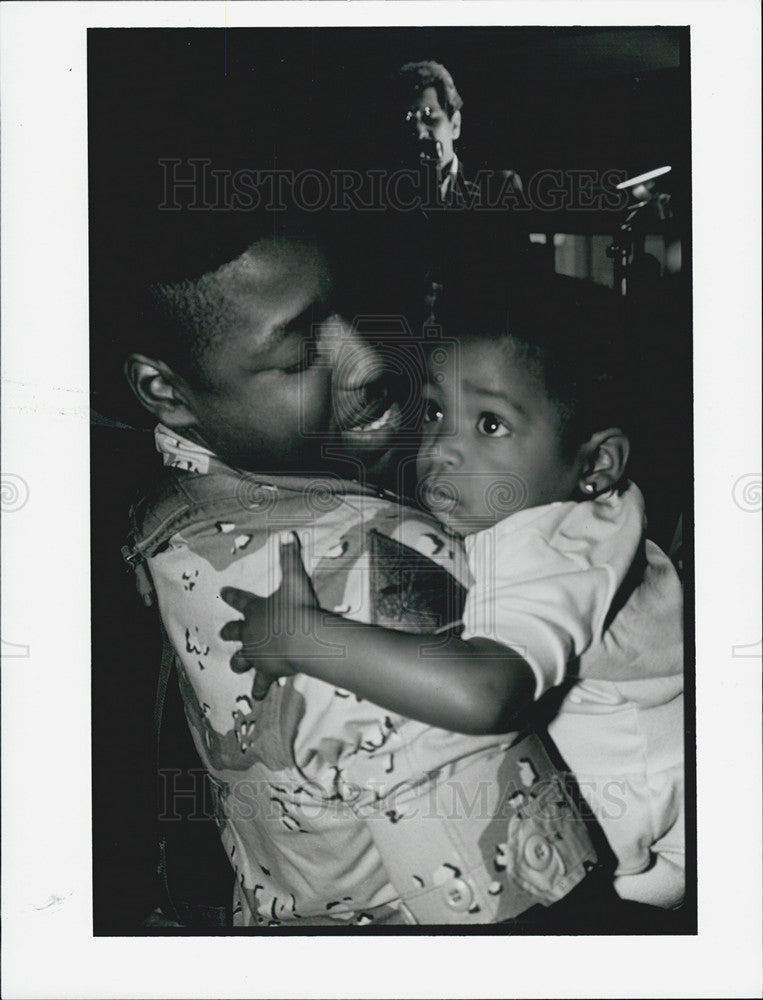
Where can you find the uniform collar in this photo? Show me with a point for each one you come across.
(179, 452)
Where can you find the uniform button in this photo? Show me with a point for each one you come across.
(538, 852)
(458, 895)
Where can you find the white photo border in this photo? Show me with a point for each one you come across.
(48, 945)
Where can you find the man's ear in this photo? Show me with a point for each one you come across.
(605, 457)
(455, 123)
(160, 390)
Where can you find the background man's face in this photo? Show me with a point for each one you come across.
(427, 120)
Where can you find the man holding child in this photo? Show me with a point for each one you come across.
(274, 418)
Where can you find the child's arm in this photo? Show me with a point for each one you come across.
(474, 686)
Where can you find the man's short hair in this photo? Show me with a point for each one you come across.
(415, 77)
(152, 300)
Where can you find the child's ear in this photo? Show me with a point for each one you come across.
(160, 390)
(605, 457)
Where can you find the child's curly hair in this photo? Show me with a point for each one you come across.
(569, 334)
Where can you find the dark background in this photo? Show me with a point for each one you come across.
(534, 99)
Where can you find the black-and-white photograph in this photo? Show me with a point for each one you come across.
(391, 353)
(378, 500)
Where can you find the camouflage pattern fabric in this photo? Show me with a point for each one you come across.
(332, 810)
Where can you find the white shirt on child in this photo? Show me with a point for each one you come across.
(571, 584)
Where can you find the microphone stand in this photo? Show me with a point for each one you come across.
(629, 239)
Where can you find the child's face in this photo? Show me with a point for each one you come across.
(267, 402)
(492, 442)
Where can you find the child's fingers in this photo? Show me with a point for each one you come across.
(261, 686)
(291, 561)
(231, 631)
(238, 599)
(290, 552)
(293, 571)
(287, 538)
(239, 663)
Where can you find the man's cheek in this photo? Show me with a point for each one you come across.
(312, 408)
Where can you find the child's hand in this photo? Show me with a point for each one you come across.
(274, 628)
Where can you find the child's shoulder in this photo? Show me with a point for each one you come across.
(609, 530)
(585, 534)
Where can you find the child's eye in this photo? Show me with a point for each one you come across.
(432, 411)
(492, 426)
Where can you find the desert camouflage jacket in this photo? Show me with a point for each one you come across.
(331, 809)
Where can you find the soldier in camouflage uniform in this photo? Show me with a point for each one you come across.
(331, 810)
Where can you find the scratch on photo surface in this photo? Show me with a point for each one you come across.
(53, 902)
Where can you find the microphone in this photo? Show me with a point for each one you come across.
(642, 184)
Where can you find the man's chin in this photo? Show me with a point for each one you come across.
(377, 465)
(372, 451)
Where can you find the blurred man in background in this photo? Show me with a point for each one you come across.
(432, 118)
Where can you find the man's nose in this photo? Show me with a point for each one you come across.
(422, 131)
(353, 360)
